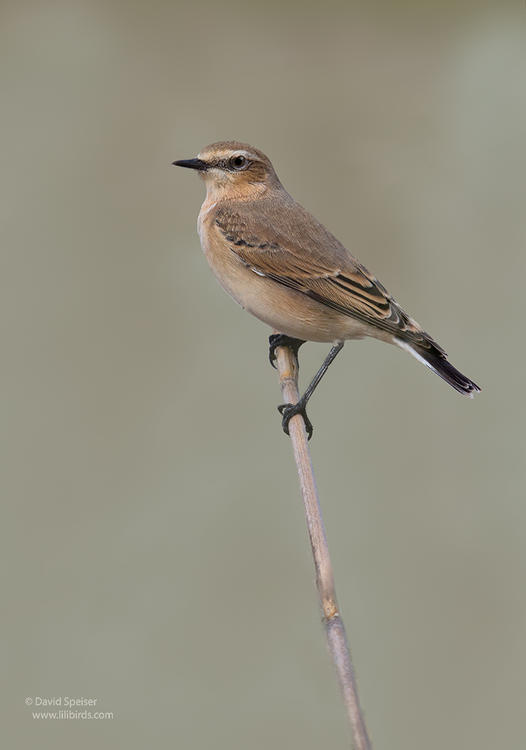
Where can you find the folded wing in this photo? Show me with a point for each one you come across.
(304, 256)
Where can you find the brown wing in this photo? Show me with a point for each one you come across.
(284, 242)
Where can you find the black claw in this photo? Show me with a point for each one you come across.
(288, 411)
(279, 339)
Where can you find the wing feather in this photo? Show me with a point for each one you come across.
(303, 255)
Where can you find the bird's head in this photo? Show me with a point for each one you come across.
(233, 169)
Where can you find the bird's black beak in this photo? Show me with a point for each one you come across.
(191, 164)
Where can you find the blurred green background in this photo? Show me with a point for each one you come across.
(153, 540)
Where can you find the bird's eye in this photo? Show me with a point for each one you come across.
(238, 162)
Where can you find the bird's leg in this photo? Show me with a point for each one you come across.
(287, 411)
(279, 339)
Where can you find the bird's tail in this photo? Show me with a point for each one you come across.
(434, 358)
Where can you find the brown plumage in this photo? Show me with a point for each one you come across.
(287, 269)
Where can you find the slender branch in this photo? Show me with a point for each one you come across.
(287, 365)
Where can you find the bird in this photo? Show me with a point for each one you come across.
(285, 268)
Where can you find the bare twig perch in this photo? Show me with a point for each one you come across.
(287, 366)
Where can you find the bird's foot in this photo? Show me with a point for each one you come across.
(279, 339)
(288, 411)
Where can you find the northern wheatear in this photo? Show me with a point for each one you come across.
(275, 259)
